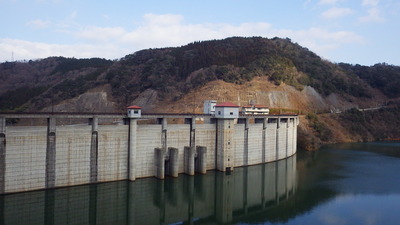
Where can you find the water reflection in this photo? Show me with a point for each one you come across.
(341, 184)
(383, 148)
(350, 184)
(213, 198)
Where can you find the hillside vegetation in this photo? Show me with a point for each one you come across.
(275, 72)
(233, 60)
(172, 72)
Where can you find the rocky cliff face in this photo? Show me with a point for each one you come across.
(262, 91)
(95, 100)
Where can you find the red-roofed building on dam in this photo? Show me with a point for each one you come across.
(134, 111)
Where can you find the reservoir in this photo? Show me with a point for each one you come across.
(339, 184)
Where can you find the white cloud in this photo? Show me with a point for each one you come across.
(38, 24)
(335, 12)
(167, 31)
(322, 41)
(372, 3)
(73, 15)
(51, 1)
(307, 2)
(163, 19)
(328, 2)
(374, 15)
(106, 17)
(101, 34)
(170, 30)
(25, 50)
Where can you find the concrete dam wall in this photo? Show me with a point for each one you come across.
(40, 157)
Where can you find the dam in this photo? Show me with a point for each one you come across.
(35, 157)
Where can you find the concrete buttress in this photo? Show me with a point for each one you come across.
(94, 150)
(172, 162)
(225, 147)
(166, 162)
(51, 153)
(164, 133)
(159, 163)
(277, 139)
(264, 139)
(201, 160)
(195, 160)
(132, 149)
(189, 158)
(246, 142)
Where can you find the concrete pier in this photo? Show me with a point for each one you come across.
(278, 127)
(166, 162)
(94, 149)
(189, 159)
(51, 153)
(225, 131)
(159, 163)
(195, 160)
(264, 139)
(201, 160)
(246, 143)
(192, 123)
(132, 149)
(171, 167)
(163, 122)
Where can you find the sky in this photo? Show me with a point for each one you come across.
(362, 32)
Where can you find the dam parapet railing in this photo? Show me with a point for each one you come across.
(51, 155)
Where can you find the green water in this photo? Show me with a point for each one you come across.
(340, 184)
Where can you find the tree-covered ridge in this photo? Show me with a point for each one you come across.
(69, 64)
(234, 60)
(43, 82)
(172, 72)
(382, 76)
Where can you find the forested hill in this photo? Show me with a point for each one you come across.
(382, 76)
(234, 60)
(172, 72)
